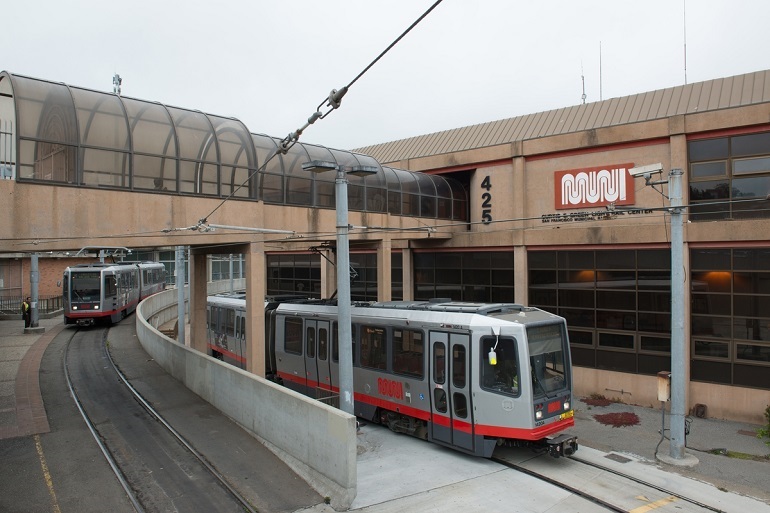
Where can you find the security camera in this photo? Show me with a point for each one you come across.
(647, 170)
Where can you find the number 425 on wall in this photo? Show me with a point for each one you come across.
(486, 201)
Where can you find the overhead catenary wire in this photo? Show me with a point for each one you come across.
(333, 102)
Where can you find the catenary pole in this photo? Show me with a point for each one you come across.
(677, 316)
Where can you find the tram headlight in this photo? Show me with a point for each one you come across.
(539, 414)
(96, 307)
(74, 307)
(566, 405)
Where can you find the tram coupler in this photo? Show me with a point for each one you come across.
(84, 323)
(562, 445)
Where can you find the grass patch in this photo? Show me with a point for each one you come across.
(739, 455)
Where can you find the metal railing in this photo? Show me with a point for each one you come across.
(10, 305)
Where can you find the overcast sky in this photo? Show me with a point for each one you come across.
(270, 64)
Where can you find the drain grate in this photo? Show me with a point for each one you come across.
(618, 458)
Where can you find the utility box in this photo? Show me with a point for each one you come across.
(664, 386)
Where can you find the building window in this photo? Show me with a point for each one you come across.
(222, 264)
(363, 276)
(397, 276)
(479, 276)
(294, 274)
(730, 319)
(617, 304)
(728, 177)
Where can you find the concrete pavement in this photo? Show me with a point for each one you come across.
(399, 473)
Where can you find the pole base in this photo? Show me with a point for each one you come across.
(34, 331)
(688, 460)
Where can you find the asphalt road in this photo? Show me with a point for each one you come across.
(64, 471)
(164, 475)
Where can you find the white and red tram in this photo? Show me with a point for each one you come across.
(108, 291)
(470, 376)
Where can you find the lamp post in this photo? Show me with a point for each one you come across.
(343, 276)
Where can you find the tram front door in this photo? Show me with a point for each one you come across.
(451, 409)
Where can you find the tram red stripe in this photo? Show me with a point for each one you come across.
(537, 433)
(239, 359)
(444, 421)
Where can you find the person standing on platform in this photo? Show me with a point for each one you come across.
(26, 313)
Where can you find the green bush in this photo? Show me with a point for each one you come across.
(764, 432)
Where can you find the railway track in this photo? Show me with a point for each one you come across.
(602, 485)
(157, 467)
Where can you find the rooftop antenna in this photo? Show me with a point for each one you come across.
(116, 82)
(684, 28)
(583, 78)
(600, 71)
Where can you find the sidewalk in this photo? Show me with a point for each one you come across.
(22, 412)
(729, 455)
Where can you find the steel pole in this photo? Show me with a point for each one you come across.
(343, 295)
(34, 278)
(180, 315)
(677, 317)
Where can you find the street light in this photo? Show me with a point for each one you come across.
(343, 277)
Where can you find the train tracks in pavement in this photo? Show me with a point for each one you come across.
(157, 467)
(606, 487)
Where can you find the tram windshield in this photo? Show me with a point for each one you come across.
(85, 286)
(504, 375)
(546, 357)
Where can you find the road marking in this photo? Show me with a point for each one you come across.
(653, 505)
(46, 475)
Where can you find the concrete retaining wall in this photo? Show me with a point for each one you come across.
(316, 440)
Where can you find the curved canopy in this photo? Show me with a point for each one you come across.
(80, 137)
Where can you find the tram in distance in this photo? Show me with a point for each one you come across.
(470, 376)
(108, 292)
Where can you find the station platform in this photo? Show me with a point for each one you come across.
(396, 473)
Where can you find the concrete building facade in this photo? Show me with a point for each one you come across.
(538, 209)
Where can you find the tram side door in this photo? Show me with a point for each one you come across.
(240, 338)
(451, 421)
(311, 364)
(323, 358)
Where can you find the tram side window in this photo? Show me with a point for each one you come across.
(336, 343)
(408, 353)
(460, 404)
(504, 376)
(293, 336)
(230, 326)
(310, 342)
(110, 287)
(323, 344)
(458, 366)
(439, 363)
(374, 349)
